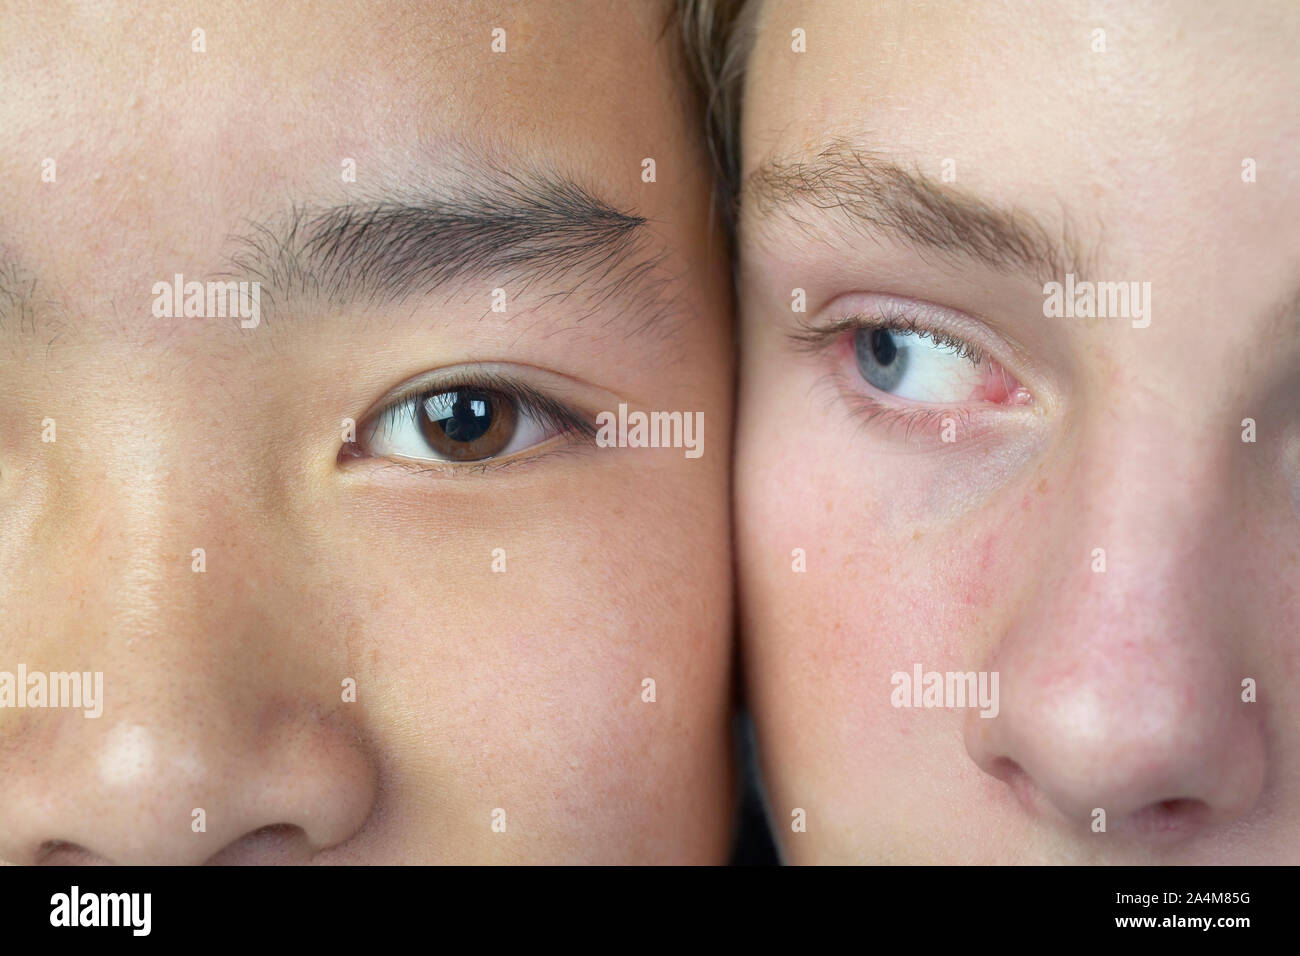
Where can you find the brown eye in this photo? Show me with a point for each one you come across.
(467, 424)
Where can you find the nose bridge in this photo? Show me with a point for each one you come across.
(137, 514)
(110, 557)
(155, 563)
(146, 555)
(216, 695)
(1137, 557)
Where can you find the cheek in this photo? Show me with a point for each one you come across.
(880, 594)
(877, 583)
(524, 688)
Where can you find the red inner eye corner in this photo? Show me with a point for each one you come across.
(1001, 388)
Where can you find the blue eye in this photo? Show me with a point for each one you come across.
(880, 360)
(919, 366)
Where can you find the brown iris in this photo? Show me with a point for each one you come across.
(467, 424)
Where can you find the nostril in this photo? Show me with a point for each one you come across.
(275, 831)
(1170, 819)
(63, 853)
(1015, 777)
(1005, 769)
(275, 843)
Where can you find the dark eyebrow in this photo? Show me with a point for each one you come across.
(516, 229)
(882, 198)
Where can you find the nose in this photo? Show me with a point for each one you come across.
(222, 732)
(277, 785)
(1122, 690)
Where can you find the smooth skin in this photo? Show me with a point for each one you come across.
(476, 691)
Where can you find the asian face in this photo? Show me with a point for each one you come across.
(308, 322)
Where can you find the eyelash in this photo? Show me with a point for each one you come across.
(866, 406)
(559, 418)
(889, 317)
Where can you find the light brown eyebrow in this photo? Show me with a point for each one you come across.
(17, 294)
(27, 307)
(872, 194)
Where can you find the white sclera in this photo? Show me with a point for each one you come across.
(931, 372)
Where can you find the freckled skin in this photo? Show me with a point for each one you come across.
(1120, 690)
(475, 690)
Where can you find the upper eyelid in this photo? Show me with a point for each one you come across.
(435, 381)
(889, 311)
(814, 334)
(533, 399)
(813, 338)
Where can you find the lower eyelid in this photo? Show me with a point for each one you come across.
(435, 468)
(921, 425)
(916, 419)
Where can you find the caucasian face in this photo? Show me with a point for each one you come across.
(1101, 508)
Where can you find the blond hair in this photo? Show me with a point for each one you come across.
(717, 36)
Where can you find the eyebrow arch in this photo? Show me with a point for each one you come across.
(881, 198)
(515, 228)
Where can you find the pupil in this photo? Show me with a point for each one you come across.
(883, 348)
(471, 417)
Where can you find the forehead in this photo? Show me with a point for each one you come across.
(1030, 96)
(158, 146)
(429, 66)
(926, 74)
(1126, 124)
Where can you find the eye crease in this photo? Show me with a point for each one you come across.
(475, 419)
